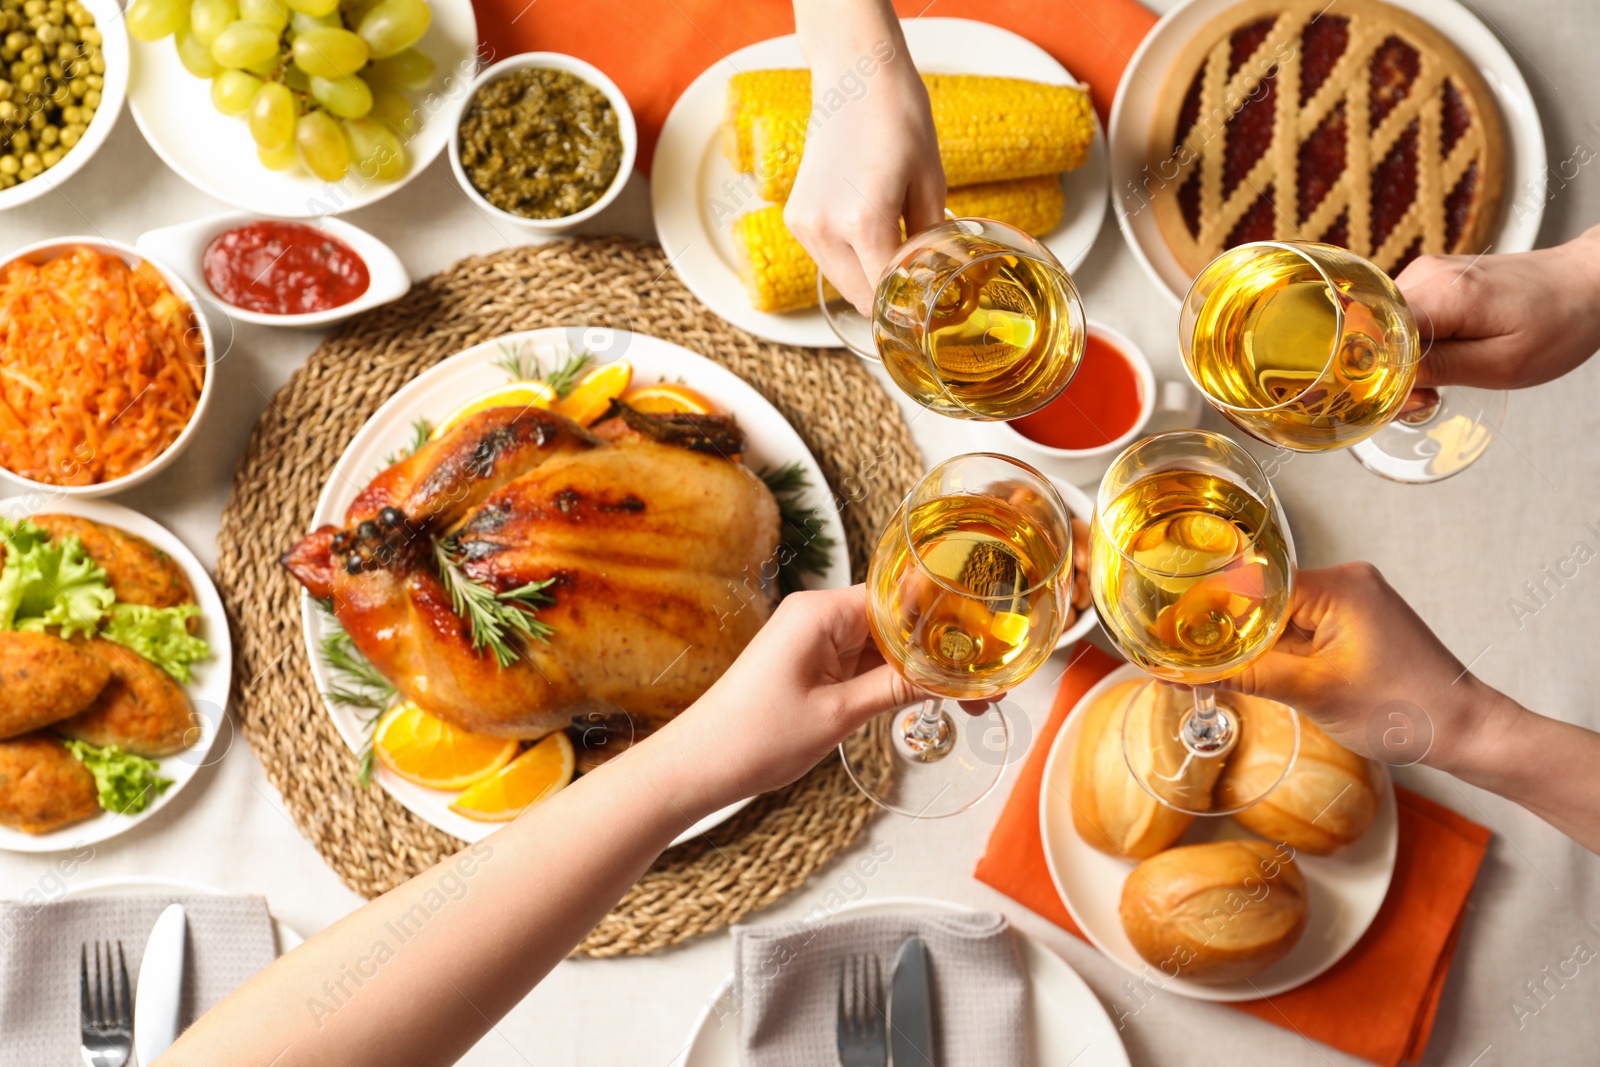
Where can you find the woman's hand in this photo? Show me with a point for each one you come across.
(1507, 321)
(1369, 671)
(869, 162)
(811, 676)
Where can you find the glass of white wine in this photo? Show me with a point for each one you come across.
(972, 318)
(1311, 347)
(967, 595)
(1191, 567)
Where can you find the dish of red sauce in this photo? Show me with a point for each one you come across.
(1100, 405)
(283, 268)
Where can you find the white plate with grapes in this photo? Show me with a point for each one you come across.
(511, 368)
(332, 104)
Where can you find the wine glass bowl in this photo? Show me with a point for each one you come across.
(973, 318)
(1192, 572)
(967, 594)
(1305, 346)
(1310, 347)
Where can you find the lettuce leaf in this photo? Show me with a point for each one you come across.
(125, 782)
(49, 582)
(160, 635)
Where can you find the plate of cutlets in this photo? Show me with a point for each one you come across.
(114, 671)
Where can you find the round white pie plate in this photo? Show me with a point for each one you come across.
(1139, 93)
(214, 152)
(439, 390)
(695, 192)
(207, 689)
(1070, 1028)
(1346, 889)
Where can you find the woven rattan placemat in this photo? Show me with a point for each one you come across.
(848, 422)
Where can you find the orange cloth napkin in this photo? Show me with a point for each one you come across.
(1379, 1002)
(653, 49)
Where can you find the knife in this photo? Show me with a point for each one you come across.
(155, 1004)
(911, 1008)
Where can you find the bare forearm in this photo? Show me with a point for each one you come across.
(829, 28)
(1546, 765)
(420, 974)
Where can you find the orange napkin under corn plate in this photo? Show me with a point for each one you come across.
(653, 49)
(1393, 977)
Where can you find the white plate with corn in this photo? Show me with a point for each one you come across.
(728, 150)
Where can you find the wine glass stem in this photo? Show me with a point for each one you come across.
(929, 733)
(1207, 731)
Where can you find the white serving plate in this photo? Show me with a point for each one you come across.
(690, 181)
(288, 938)
(1069, 1026)
(207, 689)
(439, 390)
(1346, 889)
(214, 152)
(183, 247)
(1137, 96)
(114, 47)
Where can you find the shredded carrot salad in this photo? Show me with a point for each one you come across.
(100, 367)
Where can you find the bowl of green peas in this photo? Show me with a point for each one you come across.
(63, 77)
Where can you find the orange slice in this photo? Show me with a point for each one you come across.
(668, 399)
(593, 394)
(538, 774)
(513, 395)
(424, 749)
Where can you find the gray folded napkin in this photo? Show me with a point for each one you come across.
(786, 986)
(230, 939)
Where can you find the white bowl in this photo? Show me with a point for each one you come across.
(589, 73)
(1081, 507)
(183, 247)
(43, 252)
(114, 47)
(1084, 465)
(214, 152)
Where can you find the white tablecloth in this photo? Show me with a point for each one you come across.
(1459, 551)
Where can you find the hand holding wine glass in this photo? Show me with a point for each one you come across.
(1506, 321)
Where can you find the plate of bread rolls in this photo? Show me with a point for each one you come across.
(1233, 908)
(1018, 137)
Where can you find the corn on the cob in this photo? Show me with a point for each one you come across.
(780, 276)
(989, 129)
(754, 92)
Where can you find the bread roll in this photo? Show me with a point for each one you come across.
(1111, 810)
(1330, 796)
(1217, 912)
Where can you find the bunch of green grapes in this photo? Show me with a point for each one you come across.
(318, 81)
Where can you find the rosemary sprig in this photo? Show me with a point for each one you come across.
(564, 379)
(421, 430)
(803, 545)
(363, 687)
(523, 366)
(498, 621)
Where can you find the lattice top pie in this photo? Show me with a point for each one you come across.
(1353, 123)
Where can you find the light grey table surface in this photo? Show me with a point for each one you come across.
(1459, 551)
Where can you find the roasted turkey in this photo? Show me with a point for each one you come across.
(659, 541)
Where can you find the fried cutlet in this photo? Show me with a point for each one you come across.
(141, 710)
(44, 679)
(137, 571)
(42, 787)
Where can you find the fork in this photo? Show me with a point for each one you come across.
(862, 1035)
(108, 1018)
